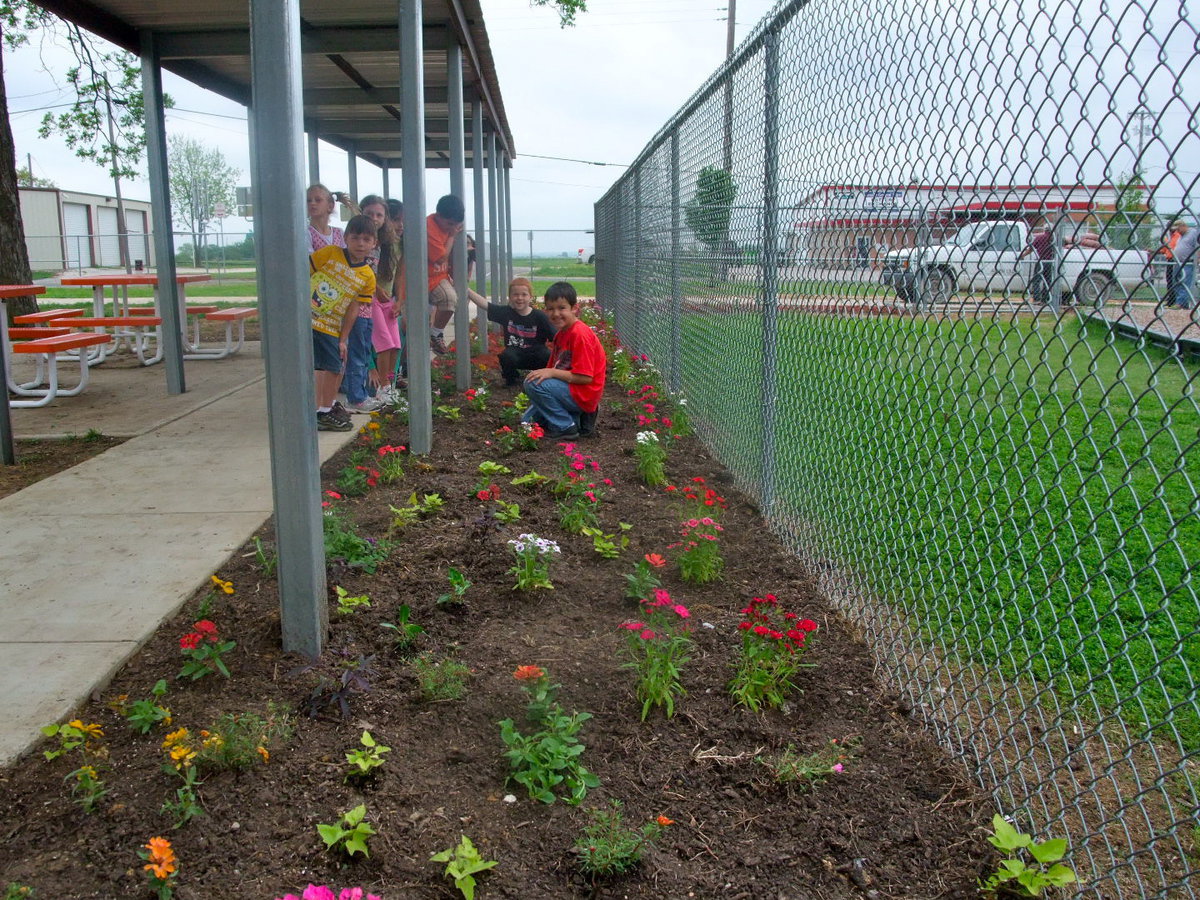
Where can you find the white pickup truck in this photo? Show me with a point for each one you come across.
(985, 256)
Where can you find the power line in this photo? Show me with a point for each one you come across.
(586, 162)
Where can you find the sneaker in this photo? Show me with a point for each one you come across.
(437, 345)
(567, 434)
(366, 407)
(340, 412)
(327, 421)
(587, 422)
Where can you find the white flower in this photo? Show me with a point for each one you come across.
(647, 437)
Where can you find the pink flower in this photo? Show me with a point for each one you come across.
(577, 466)
(661, 597)
(647, 635)
(692, 523)
(595, 465)
(608, 481)
(318, 892)
(838, 767)
(681, 611)
(334, 494)
(632, 626)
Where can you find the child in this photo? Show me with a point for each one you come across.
(388, 305)
(442, 229)
(319, 200)
(526, 330)
(340, 281)
(358, 359)
(565, 396)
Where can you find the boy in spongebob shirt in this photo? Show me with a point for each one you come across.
(565, 396)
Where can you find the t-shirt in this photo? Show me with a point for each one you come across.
(316, 240)
(521, 332)
(1185, 250)
(577, 349)
(335, 283)
(439, 243)
(1043, 244)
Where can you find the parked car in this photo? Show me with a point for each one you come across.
(985, 256)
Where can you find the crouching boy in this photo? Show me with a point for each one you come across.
(565, 396)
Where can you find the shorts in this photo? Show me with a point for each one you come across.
(443, 297)
(327, 354)
(386, 335)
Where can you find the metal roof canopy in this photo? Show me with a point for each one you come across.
(350, 64)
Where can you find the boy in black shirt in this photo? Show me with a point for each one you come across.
(526, 330)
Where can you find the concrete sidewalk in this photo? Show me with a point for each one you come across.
(96, 557)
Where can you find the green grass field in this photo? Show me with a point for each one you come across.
(1024, 491)
(564, 269)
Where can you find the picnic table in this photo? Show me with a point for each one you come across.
(120, 284)
(7, 455)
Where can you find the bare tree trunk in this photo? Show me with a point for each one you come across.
(14, 255)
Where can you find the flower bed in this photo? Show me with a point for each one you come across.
(831, 792)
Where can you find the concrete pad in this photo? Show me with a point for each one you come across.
(44, 683)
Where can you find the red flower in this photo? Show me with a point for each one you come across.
(205, 627)
(806, 625)
(528, 673)
(483, 495)
(745, 626)
(655, 560)
(191, 640)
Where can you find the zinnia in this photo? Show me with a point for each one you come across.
(528, 673)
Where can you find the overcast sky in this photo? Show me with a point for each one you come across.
(596, 92)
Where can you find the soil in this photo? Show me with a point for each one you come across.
(41, 459)
(901, 820)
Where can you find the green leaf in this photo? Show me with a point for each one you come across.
(466, 884)
(356, 815)
(1049, 851)
(330, 834)
(1060, 875)
(1006, 837)
(357, 845)
(367, 740)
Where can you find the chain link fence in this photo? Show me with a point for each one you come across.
(906, 263)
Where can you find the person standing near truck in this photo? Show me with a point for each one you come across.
(1041, 243)
(1185, 266)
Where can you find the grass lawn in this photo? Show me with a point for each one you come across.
(560, 269)
(1023, 490)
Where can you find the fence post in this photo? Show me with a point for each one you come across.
(770, 257)
(637, 262)
(676, 288)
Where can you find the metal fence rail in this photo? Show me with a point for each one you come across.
(904, 262)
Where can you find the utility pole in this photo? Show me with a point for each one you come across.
(1142, 114)
(727, 146)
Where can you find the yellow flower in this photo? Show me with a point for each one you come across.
(175, 737)
(262, 751)
(85, 772)
(226, 586)
(92, 730)
(373, 426)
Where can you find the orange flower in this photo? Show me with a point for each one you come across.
(161, 858)
(263, 752)
(655, 560)
(664, 821)
(528, 673)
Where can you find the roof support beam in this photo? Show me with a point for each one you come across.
(462, 26)
(458, 187)
(380, 95)
(218, 43)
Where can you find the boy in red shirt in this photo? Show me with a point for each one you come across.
(442, 229)
(564, 397)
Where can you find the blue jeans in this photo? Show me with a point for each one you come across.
(1185, 285)
(550, 402)
(358, 361)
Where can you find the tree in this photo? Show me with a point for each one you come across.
(15, 19)
(200, 179)
(1133, 223)
(707, 213)
(567, 9)
(25, 178)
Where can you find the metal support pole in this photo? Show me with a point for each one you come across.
(416, 250)
(352, 171)
(481, 233)
(386, 187)
(508, 207)
(314, 156)
(493, 219)
(458, 185)
(770, 257)
(675, 372)
(502, 236)
(278, 165)
(160, 203)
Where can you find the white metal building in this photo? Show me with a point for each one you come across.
(70, 230)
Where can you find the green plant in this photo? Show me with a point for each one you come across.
(161, 866)
(532, 566)
(622, 366)
(347, 605)
(204, 652)
(267, 562)
(350, 834)
(476, 398)
(353, 677)
(186, 805)
(771, 654)
(343, 543)
(609, 546)
(657, 651)
(700, 558)
(364, 760)
(404, 631)
(536, 683)
(533, 478)
(462, 864)
(355, 479)
(440, 679)
(808, 770)
(242, 740)
(608, 847)
(577, 513)
(650, 458)
(391, 463)
(449, 413)
(16, 891)
(507, 512)
(92, 436)
(1017, 878)
(459, 585)
(87, 787)
(641, 582)
(71, 736)
(143, 715)
(489, 474)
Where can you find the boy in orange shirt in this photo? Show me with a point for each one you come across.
(442, 229)
(565, 396)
